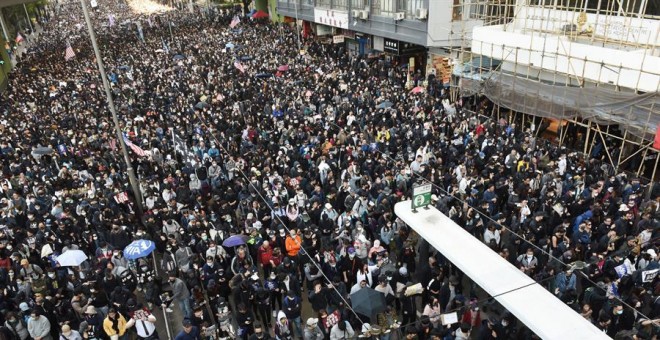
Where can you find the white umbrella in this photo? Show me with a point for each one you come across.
(71, 258)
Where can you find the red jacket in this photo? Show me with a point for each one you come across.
(265, 255)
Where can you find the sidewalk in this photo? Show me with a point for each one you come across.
(29, 40)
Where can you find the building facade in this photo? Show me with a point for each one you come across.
(399, 29)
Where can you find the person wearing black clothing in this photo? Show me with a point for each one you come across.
(245, 320)
(263, 309)
(260, 332)
(319, 297)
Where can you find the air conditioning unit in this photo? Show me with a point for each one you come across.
(364, 15)
(356, 13)
(399, 16)
(421, 13)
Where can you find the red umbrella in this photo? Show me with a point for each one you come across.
(283, 68)
(260, 14)
(417, 89)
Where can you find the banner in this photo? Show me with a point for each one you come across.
(656, 141)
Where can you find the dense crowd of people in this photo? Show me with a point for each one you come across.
(304, 164)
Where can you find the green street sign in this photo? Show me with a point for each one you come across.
(421, 196)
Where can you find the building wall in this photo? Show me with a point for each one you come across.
(635, 69)
(437, 30)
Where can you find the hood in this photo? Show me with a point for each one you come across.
(280, 315)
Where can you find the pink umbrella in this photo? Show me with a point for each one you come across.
(417, 89)
(283, 68)
(260, 14)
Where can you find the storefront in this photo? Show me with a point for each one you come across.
(358, 43)
(405, 53)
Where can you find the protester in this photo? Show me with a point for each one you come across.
(304, 167)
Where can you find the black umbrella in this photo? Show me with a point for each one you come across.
(368, 302)
(264, 75)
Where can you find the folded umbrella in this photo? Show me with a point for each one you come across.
(71, 258)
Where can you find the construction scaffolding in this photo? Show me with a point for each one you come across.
(585, 73)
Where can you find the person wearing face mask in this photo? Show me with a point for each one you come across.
(209, 270)
(118, 259)
(183, 256)
(622, 319)
(16, 326)
(181, 295)
(293, 243)
(38, 326)
(527, 262)
(260, 333)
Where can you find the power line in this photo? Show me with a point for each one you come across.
(504, 227)
(258, 192)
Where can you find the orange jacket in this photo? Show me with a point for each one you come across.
(292, 245)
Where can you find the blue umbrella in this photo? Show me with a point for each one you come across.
(235, 240)
(264, 75)
(178, 57)
(229, 45)
(384, 105)
(138, 249)
(246, 58)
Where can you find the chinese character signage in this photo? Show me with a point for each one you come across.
(331, 18)
(391, 46)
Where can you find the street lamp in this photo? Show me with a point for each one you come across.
(111, 104)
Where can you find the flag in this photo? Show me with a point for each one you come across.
(19, 38)
(239, 66)
(62, 149)
(111, 20)
(656, 141)
(234, 21)
(138, 150)
(181, 148)
(139, 29)
(165, 48)
(69, 53)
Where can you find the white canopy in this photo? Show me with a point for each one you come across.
(532, 304)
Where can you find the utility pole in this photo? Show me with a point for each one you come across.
(99, 61)
(28, 19)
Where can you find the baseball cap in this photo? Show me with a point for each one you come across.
(312, 321)
(186, 323)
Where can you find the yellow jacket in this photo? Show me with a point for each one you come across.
(107, 326)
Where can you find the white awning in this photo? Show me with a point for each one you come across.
(533, 305)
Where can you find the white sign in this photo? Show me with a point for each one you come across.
(331, 18)
(450, 318)
(649, 275)
(93, 3)
(338, 39)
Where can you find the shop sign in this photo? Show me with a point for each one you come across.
(331, 18)
(338, 39)
(391, 46)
